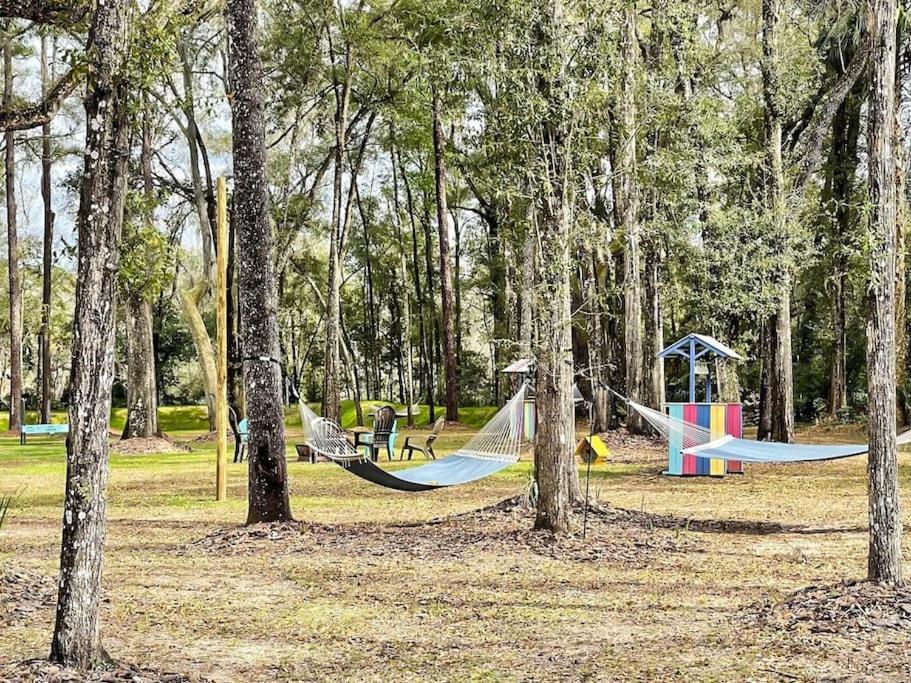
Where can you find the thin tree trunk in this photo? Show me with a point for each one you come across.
(407, 352)
(764, 430)
(628, 200)
(12, 233)
(781, 376)
(449, 342)
(47, 248)
(884, 559)
(432, 324)
(555, 468)
(424, 349)
(654, 328)
(457, 293)
(331, 407)
(268, 476)
(77, 641)
(189, 302)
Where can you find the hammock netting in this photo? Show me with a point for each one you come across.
(697, 440)
(496, 446)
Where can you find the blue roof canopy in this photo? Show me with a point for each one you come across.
(701, 345)
(693, 347)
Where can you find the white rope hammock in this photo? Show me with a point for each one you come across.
(499, 439)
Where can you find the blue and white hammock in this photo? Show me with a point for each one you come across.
(697, 440)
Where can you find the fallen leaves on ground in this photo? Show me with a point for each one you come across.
(846, 607)
(22, 594)
(43, 671)
(503, 527)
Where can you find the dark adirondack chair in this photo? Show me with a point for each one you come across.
(427, 448)
(382, 436)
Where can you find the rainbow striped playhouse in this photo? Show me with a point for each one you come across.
(720, 418)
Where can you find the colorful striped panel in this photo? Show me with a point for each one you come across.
(690, 414)
(717, 426)
(703, 419)
(528, 421)
(734, 426)
(675, 442)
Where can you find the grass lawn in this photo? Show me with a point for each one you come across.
(367, 589)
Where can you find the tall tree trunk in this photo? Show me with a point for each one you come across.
(47, 249)
(268, 475)
(12, 233)
(555, 468)
(449, 343)
(901, 236)
(142, 392)
(781, 376)
(884, 560)
(628, 200)
(77, 641)
(845, 133)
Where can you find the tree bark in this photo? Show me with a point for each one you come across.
(555, 468)
(449, 343)
(884, 559)
(268, 477)
(63, 13)
(76, 641)
(780, 376)
(12, 235)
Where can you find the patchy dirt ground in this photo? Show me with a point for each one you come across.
(675, 580)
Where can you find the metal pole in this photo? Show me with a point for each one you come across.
(221, 361)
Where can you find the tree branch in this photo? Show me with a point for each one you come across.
(64, 13)
(40, 113)
(808, 150)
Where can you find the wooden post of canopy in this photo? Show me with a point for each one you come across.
(221, 361)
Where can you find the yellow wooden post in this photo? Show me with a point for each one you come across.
(221, 361)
